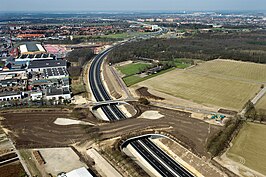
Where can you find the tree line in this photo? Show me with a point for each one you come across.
(244, 46)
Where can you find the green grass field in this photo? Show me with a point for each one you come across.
(182, 63)
(212, 83)
(249, 147)
(131, 80)
(132, 68)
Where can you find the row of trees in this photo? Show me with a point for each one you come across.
(217, 143)
(237, 46)
(220, 141)
(78, 58)
(253, 114)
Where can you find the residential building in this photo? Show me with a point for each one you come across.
(54, 93)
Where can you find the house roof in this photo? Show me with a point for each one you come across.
(51, 91)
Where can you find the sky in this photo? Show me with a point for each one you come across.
(130, 5)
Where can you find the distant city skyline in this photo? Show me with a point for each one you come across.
(129, 5)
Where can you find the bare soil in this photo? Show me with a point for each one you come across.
(12, 170)
(37, 129)
(143, 92)
(190, 132)
(112, 84)
(226, 111)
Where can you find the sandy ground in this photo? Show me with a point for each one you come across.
(65, 121)
(78, 100)
(176, 158)
(200, 116)
(199, 166)
(151, 115)
(124, 110)
(236, 167)
(112, 82)
(102, 114)
(5, 145)
(101, 165)
(60, 160)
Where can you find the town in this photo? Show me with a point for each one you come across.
(129, 94)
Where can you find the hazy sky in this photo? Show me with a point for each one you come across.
(124, 5)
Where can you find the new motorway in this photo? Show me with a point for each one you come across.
(100, 94)
(158, 159)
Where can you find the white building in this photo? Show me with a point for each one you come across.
(36, 96)
(80, 172)
(53, 93)
(154, 27)
(8, 96)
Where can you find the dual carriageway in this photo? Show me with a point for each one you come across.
(155, 156)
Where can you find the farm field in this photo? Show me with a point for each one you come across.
(261, 105)
(249, 147)
(212, 83)
(243, 71)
